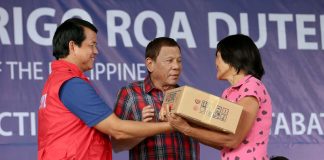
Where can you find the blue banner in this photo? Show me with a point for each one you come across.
(290, 35)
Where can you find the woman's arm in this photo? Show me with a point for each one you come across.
(217, 139)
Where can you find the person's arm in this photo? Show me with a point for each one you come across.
(125, 129)
(83, 101)
(127, 144)
(217, 139)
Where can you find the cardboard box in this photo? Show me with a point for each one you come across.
(203, 108)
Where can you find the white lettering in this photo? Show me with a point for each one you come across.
(212, 26)
(322, 30)
(3, 132)
(314, 124)
(32, 30)
(119, 73)
(12, 68)
(100, 69)
(262, 28)
(262, 31)
(281, 124)
(123, 71)
(32, 69)
(244, 19)
(43, 101)
(113, 29)
(118, 22)
(18, 30)
(49, 67)
(302, 32)
(4, 19)
(22, 117)
(297, 121)
(281, 20)
(32, 124)
(111, 70)
(37, 70)
(131, 72)
(138, 26)
(299, 125)
(27, 70)
(141, 70)
(180, 20)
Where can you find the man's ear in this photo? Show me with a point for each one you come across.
(72, 47)
(149, 62)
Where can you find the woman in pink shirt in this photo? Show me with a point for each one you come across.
(238, 61)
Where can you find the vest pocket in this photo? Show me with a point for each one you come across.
(100, 149)
(56, 154)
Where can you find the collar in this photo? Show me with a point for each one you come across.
(65, 66)
(242, 81)
(149, 86)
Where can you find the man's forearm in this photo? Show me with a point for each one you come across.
(125, 129)
(125, 144)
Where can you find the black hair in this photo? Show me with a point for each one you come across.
(240, 52)
(278, 158)
(154, 47)
(70, 30)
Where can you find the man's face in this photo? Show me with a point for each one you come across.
(166, 69)
(85, 54)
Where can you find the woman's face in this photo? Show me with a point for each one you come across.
(223, 69)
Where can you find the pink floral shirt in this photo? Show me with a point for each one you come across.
(254, 146)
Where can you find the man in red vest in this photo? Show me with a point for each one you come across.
(73, 121)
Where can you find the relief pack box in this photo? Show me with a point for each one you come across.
(203, 109)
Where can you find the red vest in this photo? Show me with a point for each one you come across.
(62, 135)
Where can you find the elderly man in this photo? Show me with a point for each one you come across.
(163, 62)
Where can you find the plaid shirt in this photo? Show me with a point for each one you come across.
(166, 146)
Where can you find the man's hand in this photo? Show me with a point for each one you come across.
(148, 114)
(164, 112)
(179, 123)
